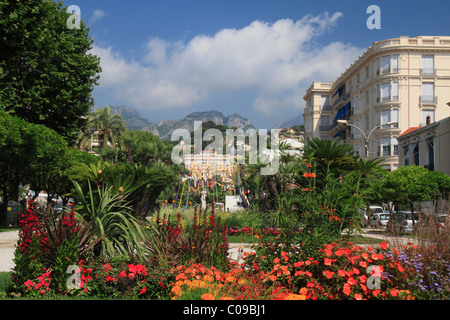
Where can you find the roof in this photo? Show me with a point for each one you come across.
(409, 131)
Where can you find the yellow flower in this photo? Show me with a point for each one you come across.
(99, 171)
(121, 189)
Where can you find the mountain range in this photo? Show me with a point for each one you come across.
(164, 128)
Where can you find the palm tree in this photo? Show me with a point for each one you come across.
(330, 155)
(104, 126)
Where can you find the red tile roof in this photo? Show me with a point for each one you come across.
(409, 130)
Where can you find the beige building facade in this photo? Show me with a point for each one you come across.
(427, 146)
(393, 86)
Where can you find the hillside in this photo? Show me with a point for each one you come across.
(164, 128)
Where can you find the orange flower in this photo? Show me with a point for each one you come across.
(329, 274)
(207, 296)
(394, 292)
(309, 175)
(358, 296)
(176, 291)
(273, 277)
(309, 165)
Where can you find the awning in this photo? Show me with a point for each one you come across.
(410, 151)
(342, 112)
(345, 108)
(337, 90)
(339, 133)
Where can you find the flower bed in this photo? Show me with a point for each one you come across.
(276, 270)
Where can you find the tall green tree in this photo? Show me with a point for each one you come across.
(47, 72)
(30, 153)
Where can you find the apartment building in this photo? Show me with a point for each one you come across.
(394, 85)
(427, 146)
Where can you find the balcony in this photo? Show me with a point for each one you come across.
(324, 128)
(342, 98)
(428, 99)
(427, 71)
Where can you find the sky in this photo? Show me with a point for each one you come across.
(169, 58)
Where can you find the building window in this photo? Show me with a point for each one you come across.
(324, 123)
(416, 155)
(427, 65)
(384, 147)
(394, 91)
(395, 63)
(386, 92)
(427, 113)
(385, 64)
(325, 103)
(428, 93)
(356, 102)
(383, 117)
(367, 72)
(395, 145)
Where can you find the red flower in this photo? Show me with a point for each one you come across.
(383, 245)
(329, 274)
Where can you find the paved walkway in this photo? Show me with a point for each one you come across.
(8, 241)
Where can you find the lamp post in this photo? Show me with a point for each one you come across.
(366, 137)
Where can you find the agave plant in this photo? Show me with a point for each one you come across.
(110, 214)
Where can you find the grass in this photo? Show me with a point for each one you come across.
(5, 280)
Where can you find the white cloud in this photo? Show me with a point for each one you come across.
(275, 60)
(96, 15)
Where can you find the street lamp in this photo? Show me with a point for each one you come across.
(366, 137)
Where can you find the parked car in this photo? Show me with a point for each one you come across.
(403, 221)
(373, 215)
(379, 220)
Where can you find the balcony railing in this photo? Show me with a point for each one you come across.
(428, 99)
(428, 71)
(342, 98)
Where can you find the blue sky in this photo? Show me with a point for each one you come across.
(254, 57)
